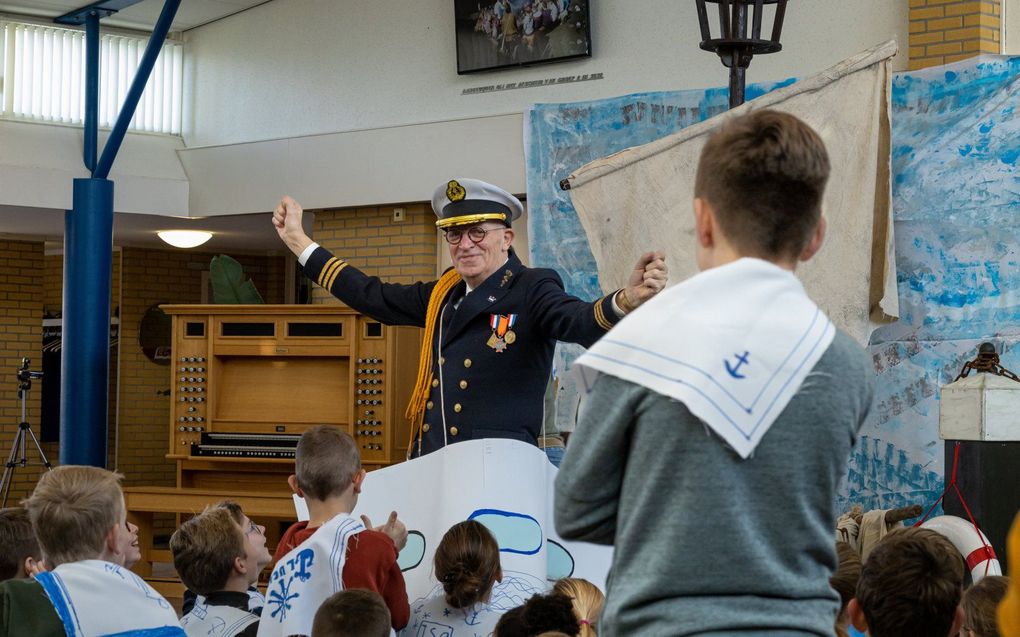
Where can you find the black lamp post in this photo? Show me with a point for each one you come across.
(734, 46)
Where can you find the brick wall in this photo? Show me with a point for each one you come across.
(21, 310)
(153, 277)
(944, 31)
(399, 252)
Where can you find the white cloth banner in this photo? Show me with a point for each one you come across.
(94, 598)
(507, 485)
(733, 344)
(640, 198)
(305, 577)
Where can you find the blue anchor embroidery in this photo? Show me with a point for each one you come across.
(734, 370)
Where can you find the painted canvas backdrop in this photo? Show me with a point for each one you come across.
(956, 141)
(955, 144)
(643, 194)
(561, 137)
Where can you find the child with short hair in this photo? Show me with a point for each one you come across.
(219, 559)
(256, 600)
(540, 614)
(729, 397)
(20, 557)
(80, 521)
(979, 603)
(466, 563)
(354, 612)
(911, 584)
(332, 551)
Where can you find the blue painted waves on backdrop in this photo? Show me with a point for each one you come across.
(514, 532)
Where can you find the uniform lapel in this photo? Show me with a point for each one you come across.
(489, 292)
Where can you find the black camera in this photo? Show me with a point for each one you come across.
(25, 375)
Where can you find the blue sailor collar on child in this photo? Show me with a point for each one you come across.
(94, 598)
(733, 343)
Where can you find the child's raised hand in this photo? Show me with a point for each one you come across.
(394, 528)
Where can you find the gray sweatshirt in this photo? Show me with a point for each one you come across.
(706, 542)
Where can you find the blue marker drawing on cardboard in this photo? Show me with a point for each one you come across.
(430, 615)
(413, 552)
(514, 532)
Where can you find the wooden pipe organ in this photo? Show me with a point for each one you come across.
(248, 379)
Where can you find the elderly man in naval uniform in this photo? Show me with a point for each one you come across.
(490, 322)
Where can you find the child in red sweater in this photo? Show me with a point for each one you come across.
(308, 568)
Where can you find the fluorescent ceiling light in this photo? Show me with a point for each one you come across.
(184, 238)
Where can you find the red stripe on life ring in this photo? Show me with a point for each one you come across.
(980, 555)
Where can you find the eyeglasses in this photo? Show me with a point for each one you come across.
(254, 528)
(475, 233)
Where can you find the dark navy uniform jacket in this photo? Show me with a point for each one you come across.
(477, 391)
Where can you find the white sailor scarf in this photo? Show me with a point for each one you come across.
(219, 620)
(305, 577)
(95, 598)
(733, 343)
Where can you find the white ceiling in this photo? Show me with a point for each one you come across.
(231, 233)
(237, 233)
(191, 14)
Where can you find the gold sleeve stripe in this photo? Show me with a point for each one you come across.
(328, 270)
(600, 316)
(336, 273)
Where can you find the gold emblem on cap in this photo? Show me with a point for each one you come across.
(454, 191)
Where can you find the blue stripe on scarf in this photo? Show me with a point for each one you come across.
(55, 591)
(162, 631)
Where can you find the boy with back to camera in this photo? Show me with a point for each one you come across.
(911, 584)
(721, 414)
(20, 557)
(332, 551)
(80, 520)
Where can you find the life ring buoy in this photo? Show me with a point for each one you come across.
(970, 542)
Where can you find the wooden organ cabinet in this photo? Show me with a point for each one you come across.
(247, 380)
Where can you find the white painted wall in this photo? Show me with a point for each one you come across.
(300, 67)
(370, 89)
(39, 161)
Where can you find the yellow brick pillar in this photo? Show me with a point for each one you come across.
(944, 31)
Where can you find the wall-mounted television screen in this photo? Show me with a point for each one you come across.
(497, 34)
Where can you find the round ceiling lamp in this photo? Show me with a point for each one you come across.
(184, 238)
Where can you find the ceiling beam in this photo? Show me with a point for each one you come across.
(103, 8)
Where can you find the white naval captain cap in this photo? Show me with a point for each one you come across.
(463, 201)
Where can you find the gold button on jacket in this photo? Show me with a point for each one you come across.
(453, 431)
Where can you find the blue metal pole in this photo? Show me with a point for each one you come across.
(91, 88)
(85, 364)
(127, 111)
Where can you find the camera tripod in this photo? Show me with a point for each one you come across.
(20, 444)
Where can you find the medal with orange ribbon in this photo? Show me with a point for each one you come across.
(502, 331)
